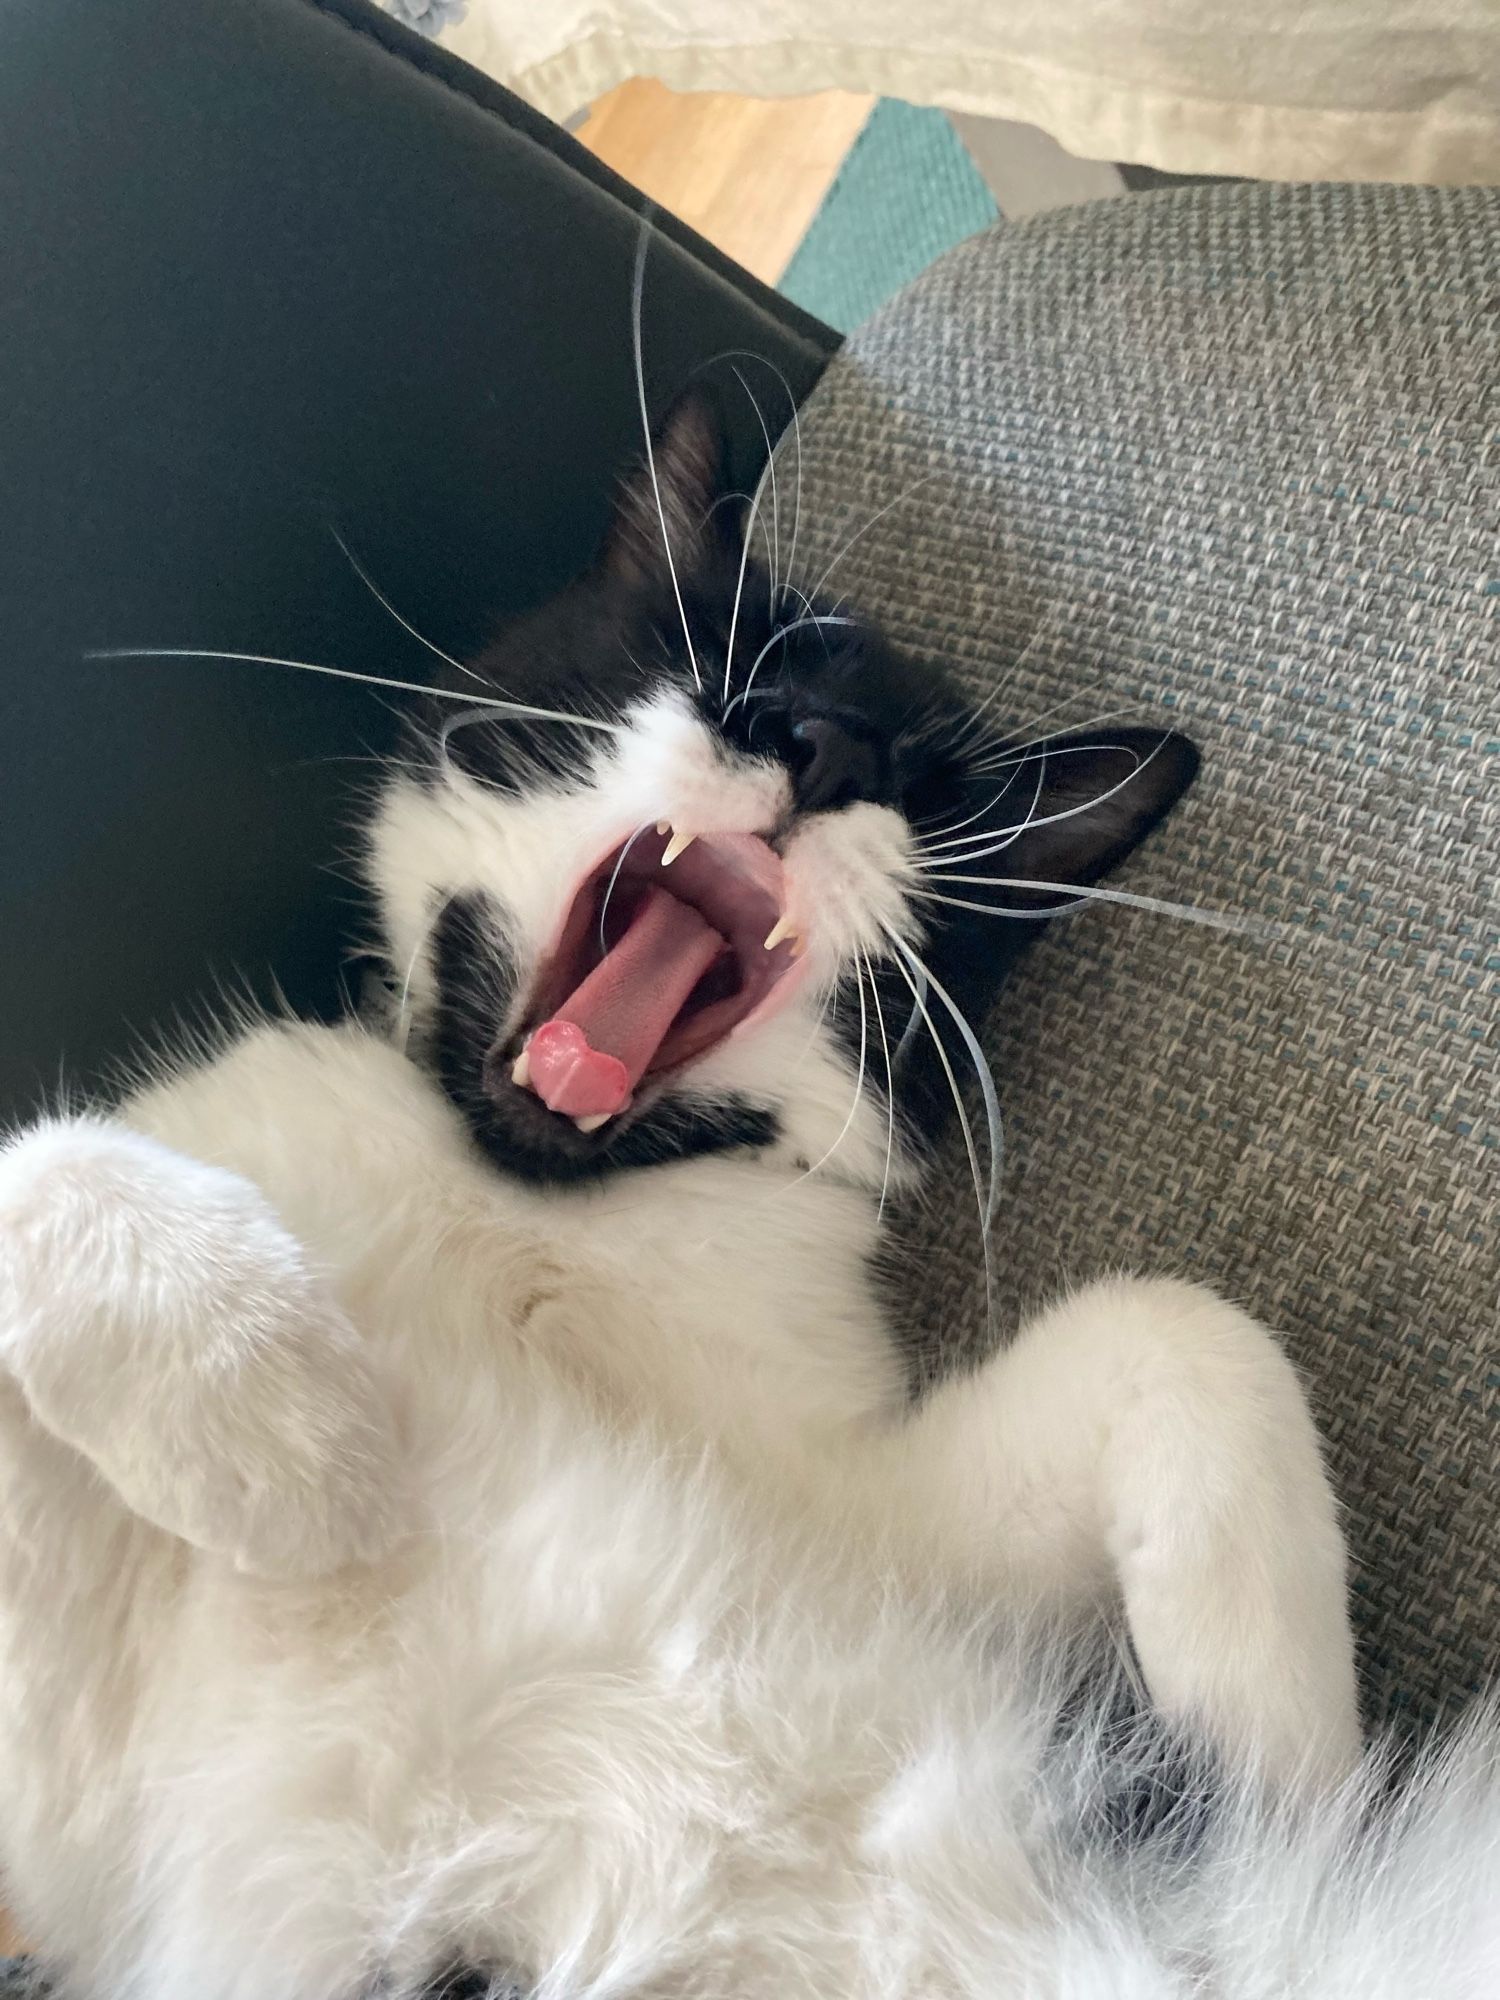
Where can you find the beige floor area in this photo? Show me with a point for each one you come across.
(749, 173)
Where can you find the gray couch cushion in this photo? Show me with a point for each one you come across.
(1229, 455)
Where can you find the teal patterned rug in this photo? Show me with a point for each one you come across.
(907, 192)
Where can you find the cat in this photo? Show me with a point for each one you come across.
(463, 1505)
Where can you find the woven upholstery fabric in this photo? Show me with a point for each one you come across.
(1227, 456)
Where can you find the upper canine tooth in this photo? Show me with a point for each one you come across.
(678, 844)
(520, 1070)
(664, 826)
(783, 929)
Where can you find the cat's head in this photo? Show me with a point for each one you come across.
(761, 866)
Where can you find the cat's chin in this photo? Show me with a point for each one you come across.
(668, 947)
(521, 1136)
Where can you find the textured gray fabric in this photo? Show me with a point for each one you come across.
(1229, 455)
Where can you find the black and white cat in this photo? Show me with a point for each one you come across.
(467, 1511)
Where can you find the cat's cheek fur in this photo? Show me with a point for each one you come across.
(850, 875)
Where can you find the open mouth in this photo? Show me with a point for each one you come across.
(669, 945)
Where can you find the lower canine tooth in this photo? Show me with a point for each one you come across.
(783, 929)
(520, 1070)
(678, 844)
(592, 1122)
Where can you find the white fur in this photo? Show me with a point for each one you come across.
(400, 1565)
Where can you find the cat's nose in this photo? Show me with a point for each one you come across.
(832, 764)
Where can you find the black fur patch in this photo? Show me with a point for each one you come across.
(467, 1982)
(476, 983)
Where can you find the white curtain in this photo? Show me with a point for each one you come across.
(1278, 89)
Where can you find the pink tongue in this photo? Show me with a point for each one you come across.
(588, 1058)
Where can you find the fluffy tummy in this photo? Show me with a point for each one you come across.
(589, 1715)
(366, 1650)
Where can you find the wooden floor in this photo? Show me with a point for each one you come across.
(748, 172)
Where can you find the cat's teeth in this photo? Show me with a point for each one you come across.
(520, 1070)
(678, 844)
(664, 826)
(783, 929)
(593, 1121)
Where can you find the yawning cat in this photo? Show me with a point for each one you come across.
(462, 1505)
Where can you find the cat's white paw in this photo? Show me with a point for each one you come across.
(1144, 1440)
(163, 1323)
(1225, 1534)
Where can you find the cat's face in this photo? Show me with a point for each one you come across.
(705, 916)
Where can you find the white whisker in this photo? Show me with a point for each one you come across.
(936, 851)
(451, 723)
(860, 533)
(1050, 746)
(905, 963)
(769, 473)
(739, 588)
(1003, 909)
(974, 851)
(781, 583)
(386, 605)
(791, 559)
(734, 617)
(491, 703)
(913, 1022)
(890, 1088)
(933, 842)
(966, 734)
(981, 1071)
(817, 618)
(1219, 920)
(1075, 694)
(637, 293)
(614, 878)
(1004, 750)
(859, 1087)
(403, 1004)
(783, 632)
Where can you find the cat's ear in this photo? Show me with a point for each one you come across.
(1071, 809)
(668, 503)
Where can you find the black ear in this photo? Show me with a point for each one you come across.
(1071, 809)
(668, 502)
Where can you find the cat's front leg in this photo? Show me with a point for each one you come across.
(1147, 1441)
(159, 1320)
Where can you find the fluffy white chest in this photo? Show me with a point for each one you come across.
(697, 1296)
